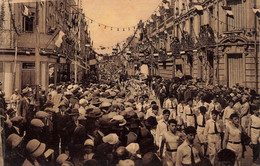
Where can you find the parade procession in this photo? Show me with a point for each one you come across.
(130, 83)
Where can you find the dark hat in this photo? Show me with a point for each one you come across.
(95, 113)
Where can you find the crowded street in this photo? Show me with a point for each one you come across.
(129, 83)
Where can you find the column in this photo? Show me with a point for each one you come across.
(44, 75)
(187, 26)
(8, 79)
(18, 76)
(55, 74)
(206, 17)
(197, 24)
(225, 81)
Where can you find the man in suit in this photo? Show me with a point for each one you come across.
(59, 125)
(24, 108)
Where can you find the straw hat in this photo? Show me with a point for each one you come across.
(62, 158)
(35, 148)
(13, 140)
(111, 139)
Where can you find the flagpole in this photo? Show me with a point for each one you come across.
(37, 56)
(15, 63)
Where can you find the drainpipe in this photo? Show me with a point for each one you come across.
(256, 48)
(217, 44)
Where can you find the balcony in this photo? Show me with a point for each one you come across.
(28, 40)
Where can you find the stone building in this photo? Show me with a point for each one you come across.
(215, 41)
(62, 35)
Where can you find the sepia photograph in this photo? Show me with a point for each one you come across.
(129, 82)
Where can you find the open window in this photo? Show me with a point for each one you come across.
(28, 23)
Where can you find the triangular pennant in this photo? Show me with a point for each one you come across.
(25, 11)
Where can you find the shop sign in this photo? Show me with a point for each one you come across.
(28, 65)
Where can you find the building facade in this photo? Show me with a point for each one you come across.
(57, 43)
(215, 41)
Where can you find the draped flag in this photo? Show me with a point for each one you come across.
(59, 39)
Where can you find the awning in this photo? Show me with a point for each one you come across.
(198, 7)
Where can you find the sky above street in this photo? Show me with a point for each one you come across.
(115, 13)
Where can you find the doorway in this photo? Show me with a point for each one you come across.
(235, 69)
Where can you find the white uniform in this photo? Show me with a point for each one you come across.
(184, 154)
(180, 112)
(189, 116)
(201, 127)
(244, 110)
(160, 130)
(234, 141)
(213, 138)
(172, 142)
(227, 112)
(255, 129)
(171, 106)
